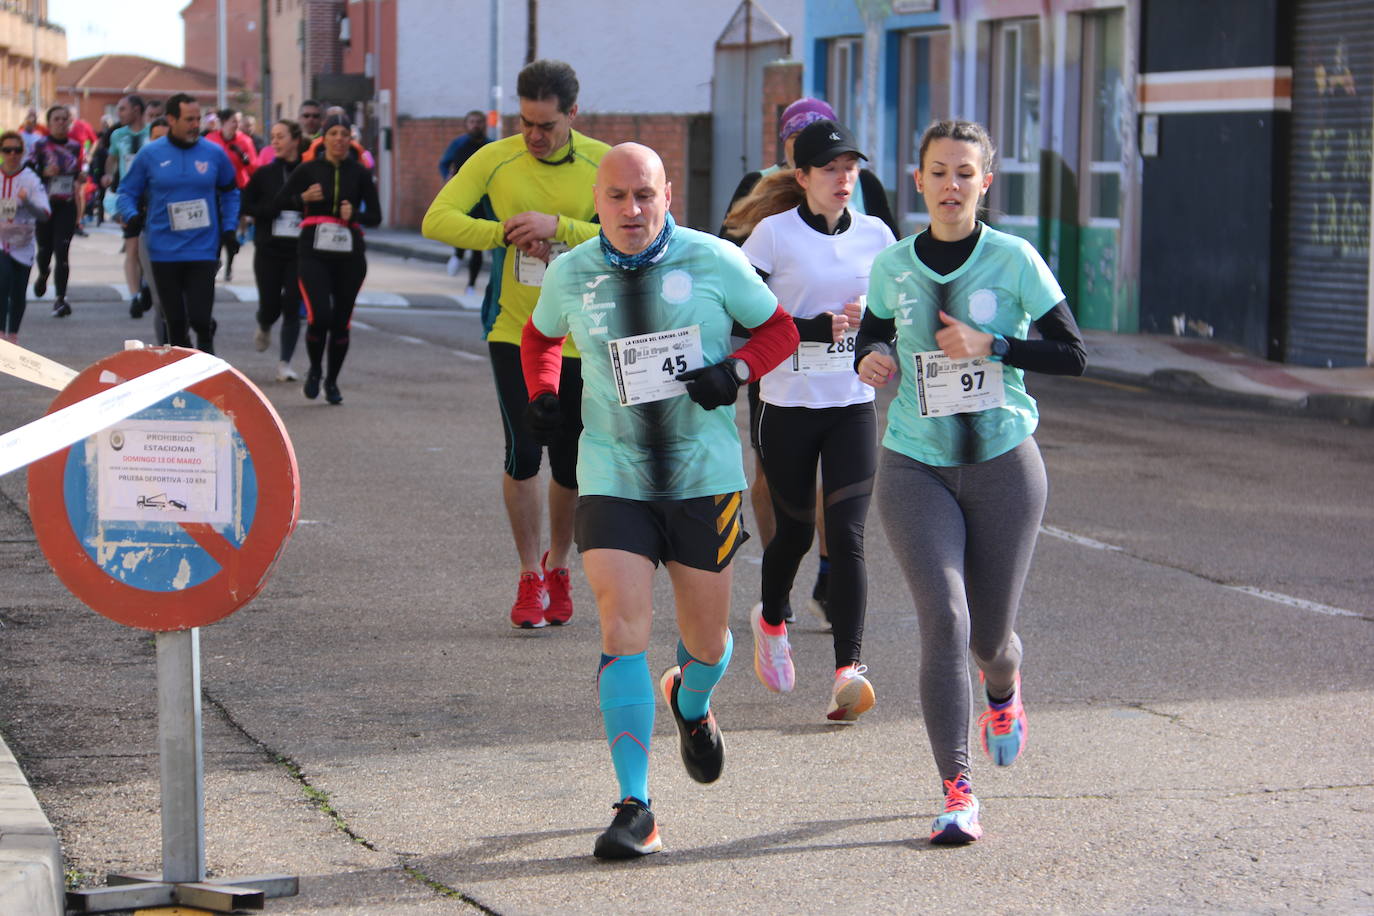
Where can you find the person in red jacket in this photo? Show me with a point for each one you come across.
(243, 156)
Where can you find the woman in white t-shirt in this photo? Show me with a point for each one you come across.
(815, 257)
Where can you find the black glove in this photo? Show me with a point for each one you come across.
(544, 417)
(230, 241)
(711, 386)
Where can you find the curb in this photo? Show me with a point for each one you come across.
(1354, 409)
(31, 868)
(407, 250)
(234, 293)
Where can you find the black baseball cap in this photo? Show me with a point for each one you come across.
(821, 141)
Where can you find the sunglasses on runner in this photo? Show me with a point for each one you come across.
(11, 149)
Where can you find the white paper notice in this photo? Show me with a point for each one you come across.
(165, 471)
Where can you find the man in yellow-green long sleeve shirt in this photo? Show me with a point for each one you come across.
(533, 191)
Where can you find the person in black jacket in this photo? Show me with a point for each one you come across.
(337, 196)
(276, 237)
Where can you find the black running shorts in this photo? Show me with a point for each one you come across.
(701, 533)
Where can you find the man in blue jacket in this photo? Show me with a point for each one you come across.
(192, 208)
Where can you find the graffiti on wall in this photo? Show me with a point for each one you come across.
(1339, 218)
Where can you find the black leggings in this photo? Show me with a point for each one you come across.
(14, 286)
(55, 238)
(330, 288)
(279, 296)
(474, 263)
(186, 296)
(523, 452)
(845, 442)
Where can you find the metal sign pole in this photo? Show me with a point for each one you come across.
(181, 754)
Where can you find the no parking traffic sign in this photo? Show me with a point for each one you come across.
(173, 517)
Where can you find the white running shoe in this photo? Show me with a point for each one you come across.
(851, 696)
(454, 262)
(470, 292)
(285, 373)
(772, 655)
(262, 338)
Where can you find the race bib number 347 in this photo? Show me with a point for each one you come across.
(645, 367)
(947, 386)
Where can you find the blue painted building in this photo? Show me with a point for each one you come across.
(1185, 168)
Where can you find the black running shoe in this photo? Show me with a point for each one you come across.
(60, 309)
(702, 745)
(331, 393)
(136, 309)
(312, 384)
(40, 286)
(632, 833)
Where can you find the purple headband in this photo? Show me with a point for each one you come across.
(800, 113)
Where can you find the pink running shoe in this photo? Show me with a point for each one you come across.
(1002, 727)
(772, 655)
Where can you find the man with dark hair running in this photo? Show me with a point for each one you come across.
(535, 188)
(193, 209)
(125, 143)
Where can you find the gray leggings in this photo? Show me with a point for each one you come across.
(963, 537)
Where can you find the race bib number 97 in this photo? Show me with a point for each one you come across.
(946, 386)
(645, 367)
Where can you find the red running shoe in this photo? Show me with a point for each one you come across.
(558, 587)
(530, 600)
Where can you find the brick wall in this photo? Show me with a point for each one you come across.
(782, 85)
(420, 142)
(323, 51)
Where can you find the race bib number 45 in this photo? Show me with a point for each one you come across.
(645, 367)
(947, 386)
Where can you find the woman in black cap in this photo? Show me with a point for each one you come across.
(336, 195)
(815, 257)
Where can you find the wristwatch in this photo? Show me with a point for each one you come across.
(740, 369)
(1000, 347)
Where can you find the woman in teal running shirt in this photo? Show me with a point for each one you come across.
(961, 486)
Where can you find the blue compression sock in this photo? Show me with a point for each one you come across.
(627, 709)
(699, 679)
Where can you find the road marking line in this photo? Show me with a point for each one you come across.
(1077, 538)
(464, 354)
(411, 340)
(1277, 597)
(1294, 602)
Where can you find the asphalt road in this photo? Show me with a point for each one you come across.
(374, 725)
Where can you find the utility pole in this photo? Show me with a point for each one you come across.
(264, 69)
(223, 29)
(531, 30)
(36, 96)
(494, 115)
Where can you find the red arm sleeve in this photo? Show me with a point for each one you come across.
(541, 358)
(769, 344)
